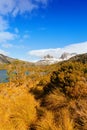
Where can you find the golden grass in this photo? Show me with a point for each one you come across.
(54, 101)
(67, 123)
(17, 109)
(47, 122)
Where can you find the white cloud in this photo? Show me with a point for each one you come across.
(3, 52)
(43, 52)
(5, 36)
(7, 45)
(26, 36)
(19, 6)
(3, 24)
(73, 48)
(13, 8)
(43, 1)
(6, 6)
(16, 30)
(23, 6)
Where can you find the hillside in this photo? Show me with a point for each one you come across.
(80, 58)
(52, 97)
(65, 95)
(8, 60)
(48, 60)
(5, 59)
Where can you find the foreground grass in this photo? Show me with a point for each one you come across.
(17, 109)
(53, 100)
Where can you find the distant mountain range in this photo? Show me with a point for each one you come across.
(48, 59)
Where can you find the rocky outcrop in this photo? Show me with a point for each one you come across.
(5, 59)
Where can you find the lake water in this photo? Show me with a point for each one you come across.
(3, 76)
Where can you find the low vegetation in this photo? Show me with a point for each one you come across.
(52, 97)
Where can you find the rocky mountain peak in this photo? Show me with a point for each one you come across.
(66, 55)
(48, 57)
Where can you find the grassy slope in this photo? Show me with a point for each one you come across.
(54, 100)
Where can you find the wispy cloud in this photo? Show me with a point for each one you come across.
(78, 48)
(19, 6)
(16, 30)
(26, 36)
(6, 36)
(6, 6)
(44, 2)
(3, 24)
(14, 8)
(3, 52)
(7, 45)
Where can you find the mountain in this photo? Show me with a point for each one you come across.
(80, 58)
(5, 59)
(48, 59)
(66, 56)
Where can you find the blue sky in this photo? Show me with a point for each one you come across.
(30, 29)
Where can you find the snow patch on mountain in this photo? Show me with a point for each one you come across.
(48, 59)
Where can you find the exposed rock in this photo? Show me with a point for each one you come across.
(48, 59)
(5, 59)
(66, 56)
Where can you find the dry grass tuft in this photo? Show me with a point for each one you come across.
(17, 109)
